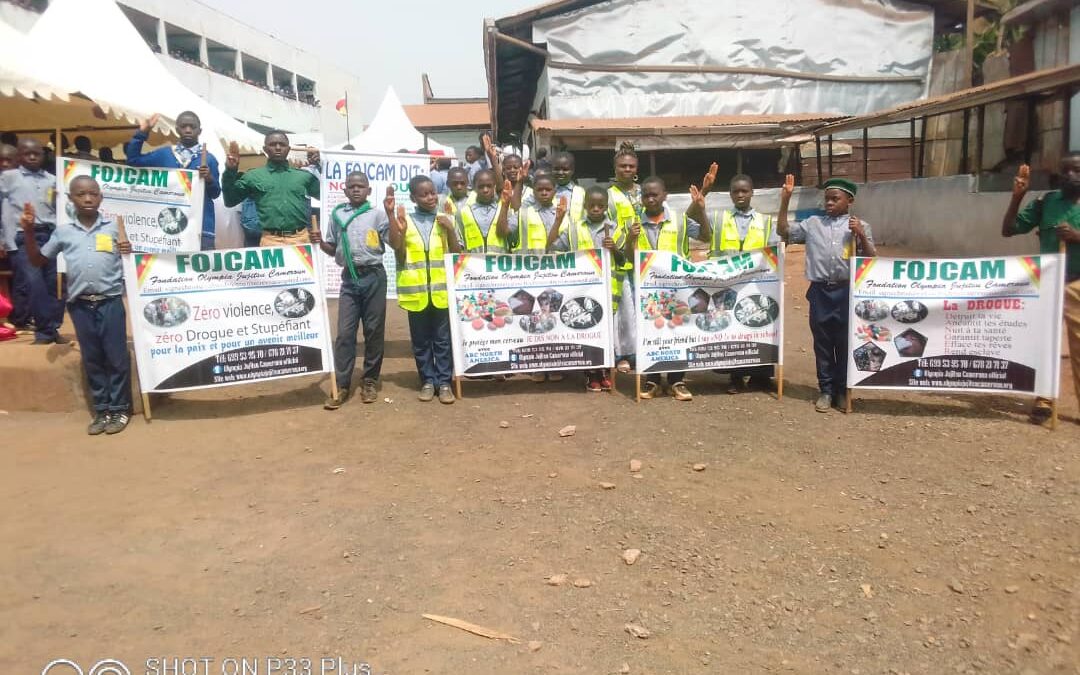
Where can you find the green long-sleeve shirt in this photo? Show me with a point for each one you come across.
(280, 192)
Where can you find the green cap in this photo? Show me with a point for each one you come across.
(841, 184)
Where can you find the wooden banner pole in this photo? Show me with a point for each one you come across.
(637, 388)
(779, 382)
(611, 376)
(457, 386)
(847, 395)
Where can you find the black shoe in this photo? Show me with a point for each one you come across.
(117, 423)
(61, 340)
(335, 402)
(99, 424)
(44, 341)
(823, 403)
(368, 393)
(761, 383)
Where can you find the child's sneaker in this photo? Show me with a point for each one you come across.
(118, 421)
(98, 424)
(593, 384)
(606, 383)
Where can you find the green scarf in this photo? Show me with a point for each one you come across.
(342, 228)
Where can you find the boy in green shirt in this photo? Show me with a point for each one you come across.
(1056, 216)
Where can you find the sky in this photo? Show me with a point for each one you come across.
(385, 43)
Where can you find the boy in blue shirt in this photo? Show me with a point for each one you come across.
(95, 285)
(187, 154)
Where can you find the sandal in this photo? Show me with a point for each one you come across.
(623, 366)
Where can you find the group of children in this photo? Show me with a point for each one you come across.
(491, 209)
(496, 211)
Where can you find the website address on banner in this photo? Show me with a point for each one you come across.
(560, 363)
(260, 374)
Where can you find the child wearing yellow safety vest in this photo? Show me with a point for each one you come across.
(537, 225)
(594, 231)
(741, 228)
(624, 207)
(663, 229)
(419, 241)
(483, 225)
(457, 185)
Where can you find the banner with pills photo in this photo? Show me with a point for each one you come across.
(226, 317)
(970, 324)
(161, 209)
(528, 313)
(382, 170)
(719, 313)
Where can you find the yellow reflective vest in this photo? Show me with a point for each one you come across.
(532, 233)
(725, 238)
(575, 210)
(422, 277)
(580, 237)
(624, 209)
(672, 237)
(474, 237)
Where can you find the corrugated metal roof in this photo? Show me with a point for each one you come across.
(1014, 87)
(448, 115)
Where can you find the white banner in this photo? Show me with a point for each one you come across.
(720, 313)
(971, 324)
(162, 209)
(523, 313)
(227, 317)
(382, 170)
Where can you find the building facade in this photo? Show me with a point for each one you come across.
(251, 75)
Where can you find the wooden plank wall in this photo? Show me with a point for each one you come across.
(889, 159)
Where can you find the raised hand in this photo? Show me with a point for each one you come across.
(524, 174)
(388, 202)
(313, 157)
(697, 197)
(400, 222)
(561, 208)
(507, 192)
(232, 158)
(789, 186)
(1022, 181)
(446, 218)
(146, 126)
(26, 220)
(709, 179)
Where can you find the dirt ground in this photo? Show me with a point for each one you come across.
(920, 534)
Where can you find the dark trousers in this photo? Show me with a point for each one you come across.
(363, 300)
(207, 242)
(35, 290)
(829, 326)
(762, 372)
(672, 378)
(429, 331)
(252, 238)
(101, 328)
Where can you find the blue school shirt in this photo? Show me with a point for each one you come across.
(92, 256)
(164, 158)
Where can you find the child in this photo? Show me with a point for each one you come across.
(562, 168)
(419, 242)
(95, 286)
(483, 225)
(9, 156)
(741, 228)
(474, 161)
(830, 242)
(595, 231)
(282, 193)
(457, 182)
(356, 237)
(1056, 218)
(624, 207)
(187, 154)
(538, 226)
(34, 290)
(662, 229)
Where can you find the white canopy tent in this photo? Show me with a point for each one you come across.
(391, 131)
(129, 83)
(18, 74)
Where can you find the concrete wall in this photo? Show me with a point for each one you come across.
(943, 217)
